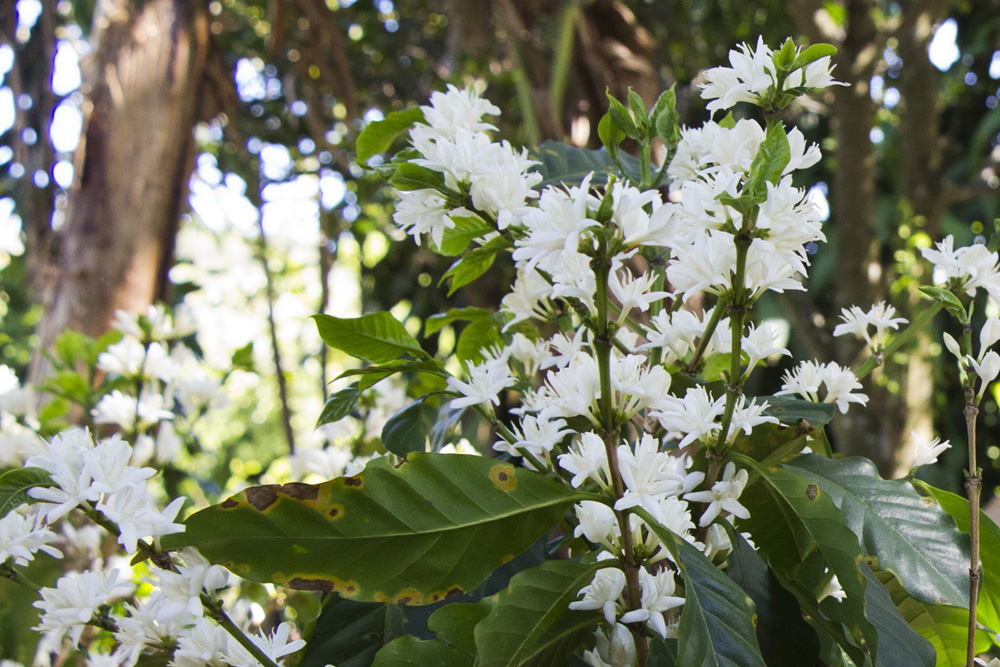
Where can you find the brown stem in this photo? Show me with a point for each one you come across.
(973, 485)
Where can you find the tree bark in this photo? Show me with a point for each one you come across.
(135, 158)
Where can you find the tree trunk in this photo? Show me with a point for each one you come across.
(132, 169)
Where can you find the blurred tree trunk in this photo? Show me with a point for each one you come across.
(133, 164)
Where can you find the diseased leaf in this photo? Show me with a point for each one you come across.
(898, 530)
(432, 527)
(339, 405)
(377, 338)
(530, 623)
(377, 137)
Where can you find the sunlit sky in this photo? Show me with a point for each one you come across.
(292, 207)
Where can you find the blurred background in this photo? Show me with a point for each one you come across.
(201, 153)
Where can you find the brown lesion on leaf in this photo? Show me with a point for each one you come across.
(302, 584)
(300, 491)
(409, 596)
(262, 497)
(503, 476)
(812, 492)
(454, 591)
(348, 589)
(229, 504)
(335, 512)
(355, 482)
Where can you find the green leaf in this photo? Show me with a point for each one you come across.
(609, 133)
(377, 338)
(470, 314)
(243, 358)
(769, 163)
(793, 410)
(899, 531)
(474, 264)
(791, 517)
(561, 163)
(666, 121)
(377, 137)
(773, 443)
(339, 405)
(432, 527)
(950, 302)
(408, 651)
(784, 56)
(349, 633)
(14, 486)
(988, 609)
(372, 375)
(944, 626)
(812, 54)
(478, 335)
(638, 108)
(717, 620)
(456, 623)
(406, 431)
(456, 239)
(530, 623)
(786, 640)
(622, 119)
(728, 121)
(409, 176)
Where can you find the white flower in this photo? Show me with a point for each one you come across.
(857, 322)
(140, 628)
(602, 593)
(986, 368)
(182, 589)
(202, 644)
(724, 496)
(597, 522)
(752, 73)
(633, 292)
(761, 343)
(614, 649)
(572, 390)
(840, 383)
(586, 458)
(693, 417)
(67, 608)
(121, 409)
(133, 511)
(524, 301)
(928, 452)
(657, 597)
(486, 381)
(274, 646)
(989, 334)
(455, 108)
(63, 458)
(537, 435)
(22, 536)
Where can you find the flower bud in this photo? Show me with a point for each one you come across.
(952, 346)
(989, 335)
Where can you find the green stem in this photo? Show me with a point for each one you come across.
(8, 571)
(871, 363)
(215, 610)
(713, 323)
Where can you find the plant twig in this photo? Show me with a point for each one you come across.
(973, 486)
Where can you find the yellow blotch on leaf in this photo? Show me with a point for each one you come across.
(503, 477)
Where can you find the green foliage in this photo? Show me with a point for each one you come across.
(408, 651)
(15, 484)
(377, 137)
(474, 263)
(407, 430)
(339, 405)
(377, 338)
(790, 410)
(434, 526)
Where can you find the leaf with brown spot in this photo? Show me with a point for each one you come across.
(439, 523)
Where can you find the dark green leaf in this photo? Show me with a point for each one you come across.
(406, 431)
(349, 633)
(339, 405)
(409, 176)
(474, 264)
(377, 137)
(773, 443)
(470, 314)
(944, 626)
(665, 118)
(622, 119)
(560, 163)
(790, 517)
(14, 485)
(609, 133)
(662, 653)
(377, 338)
(638, 108)
(409, 651)
(717, 620)
(456, 239)
(434, 526)
(456, 623)
(786, 640)
(899, 531)
(529, 623)
(793, 410)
